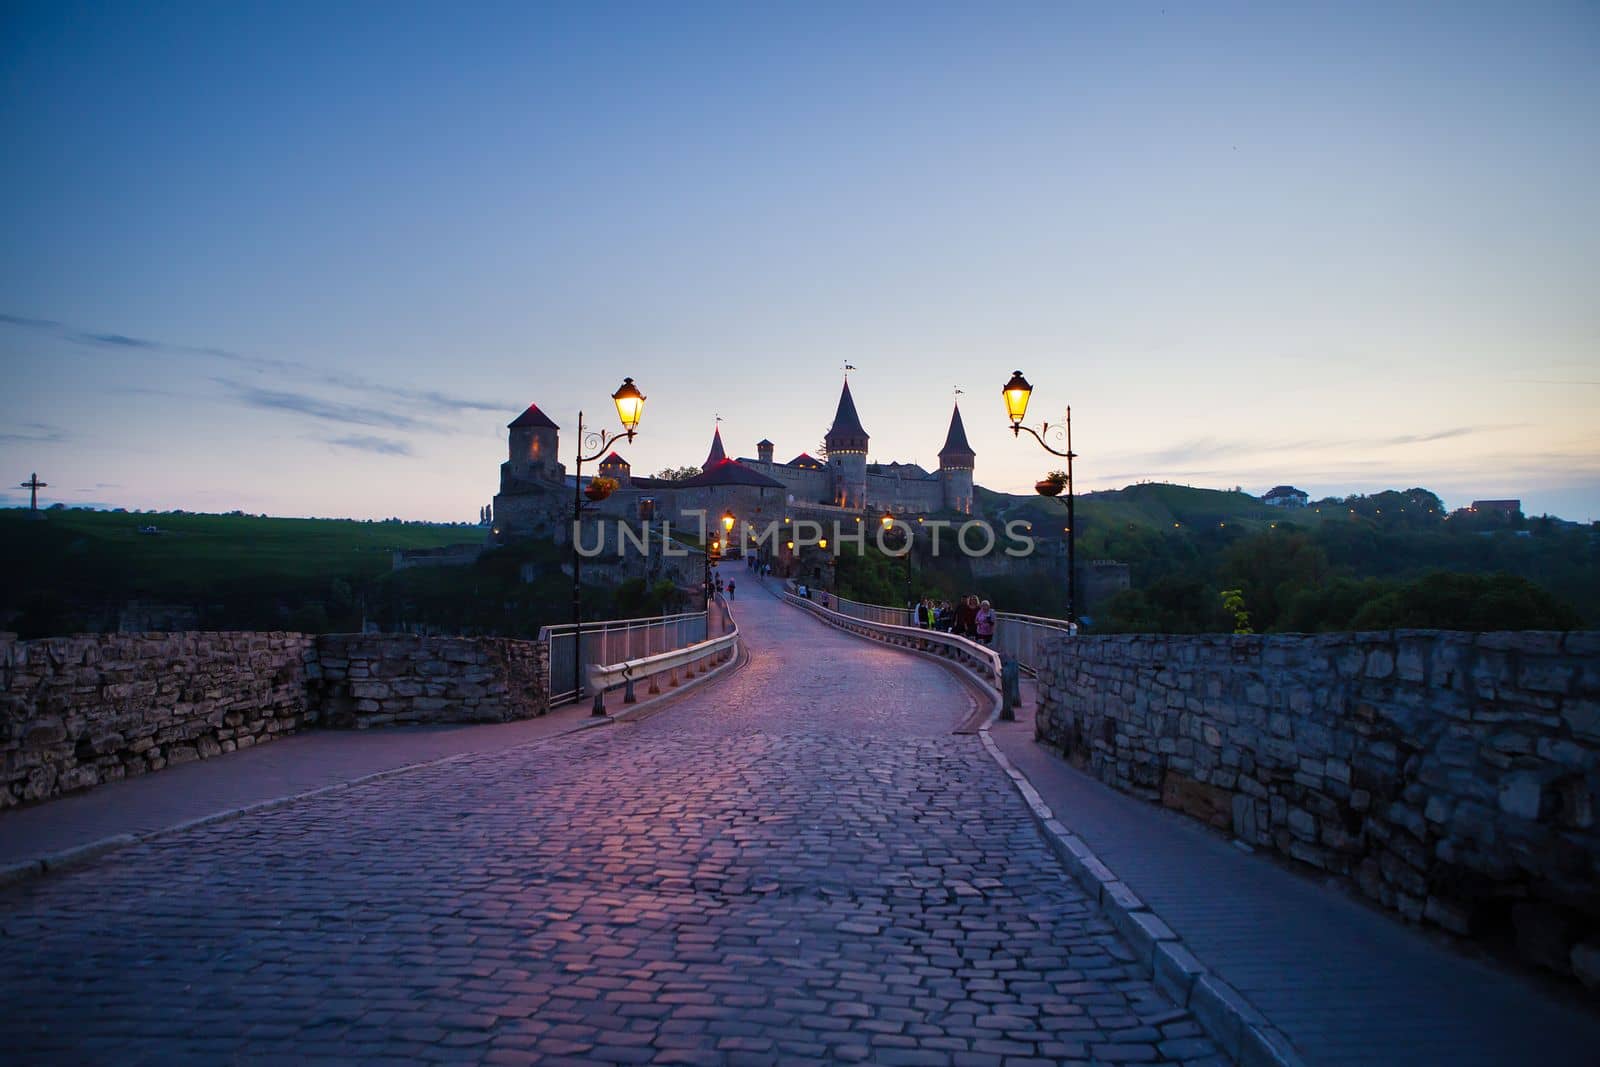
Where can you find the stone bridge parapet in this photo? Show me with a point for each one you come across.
(91, 708)
(1453, 777)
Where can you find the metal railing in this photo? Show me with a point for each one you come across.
(870, 612)
(981, 659)
(694, 659)
(614, 641)
(1024, 637)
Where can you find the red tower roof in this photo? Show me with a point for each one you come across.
(532, 419)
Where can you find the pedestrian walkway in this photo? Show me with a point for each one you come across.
(284, 768)
(1347, 984)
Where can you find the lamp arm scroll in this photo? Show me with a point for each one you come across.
(1057, 432)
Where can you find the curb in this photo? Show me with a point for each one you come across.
(1241, 1031)
(1222, 1011)
(740, 658)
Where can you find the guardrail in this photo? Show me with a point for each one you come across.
(871, 612)
(981, 659)
(695, 659)
(1022, 637)
(614, 641)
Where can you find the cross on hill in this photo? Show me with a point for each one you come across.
(33, 485)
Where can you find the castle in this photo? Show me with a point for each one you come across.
(535, 497)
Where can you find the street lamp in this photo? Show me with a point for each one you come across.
(630, 408)
(1016, 392)
(888, 524)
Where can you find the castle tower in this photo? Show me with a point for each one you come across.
(614, 466)
(955, 466)
(847, 453)
(716, 455)
(532, 447)
(764, 450)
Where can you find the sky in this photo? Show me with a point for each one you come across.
(309, 259)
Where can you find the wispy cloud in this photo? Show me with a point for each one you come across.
(33, 433)
(119, 340)
(1437, 435)
(383, 446)
(1554, 381)
(1204, 450)
(318, 408)
(430, 399)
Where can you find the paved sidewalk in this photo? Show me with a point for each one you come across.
(1347, 984)
(277, 769)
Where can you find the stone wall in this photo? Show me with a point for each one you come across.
(78, 711)
(92, 708)
(386, 679)
(1452, 777)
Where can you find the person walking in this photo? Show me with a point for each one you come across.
(966, 612)
(983, 623)
(731, 587)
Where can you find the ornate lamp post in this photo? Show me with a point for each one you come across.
(630, 408)
(714, 554)
(1016, 393)
(888, 524)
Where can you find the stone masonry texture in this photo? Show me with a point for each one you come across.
(1452, 777)
(79, 711)
(387, 679)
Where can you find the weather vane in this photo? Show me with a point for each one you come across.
(848, 367)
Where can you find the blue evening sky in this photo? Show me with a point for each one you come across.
(310, 259)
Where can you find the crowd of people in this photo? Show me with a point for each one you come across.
(967, 617)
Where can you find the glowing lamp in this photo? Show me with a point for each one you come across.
(822, 542)
(1016, 392)
(727, 521)
(888, 519)
(630, 405)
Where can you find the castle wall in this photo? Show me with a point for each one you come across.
(806, 486)
(902, 495)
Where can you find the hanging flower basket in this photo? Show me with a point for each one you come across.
(600, 488)
(1051, 484)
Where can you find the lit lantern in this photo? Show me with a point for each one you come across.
(727, 521)
(1017, 391)
(888, 519)
(630, 405)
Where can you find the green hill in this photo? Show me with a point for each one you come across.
(91, 570)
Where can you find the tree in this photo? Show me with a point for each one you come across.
(1444, 601)
(678, 474)
(1269, 569)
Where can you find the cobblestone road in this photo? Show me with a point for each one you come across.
(799, 864)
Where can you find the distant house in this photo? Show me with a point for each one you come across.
(1508, 508)
(1286, 496)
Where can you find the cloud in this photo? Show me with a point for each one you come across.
(431, 399)
(120, 340)
(381, 445)
(1438, 435)
(317, 408)
(1201, 450)
(33, 324)
(33, 433)
(1554, 381)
